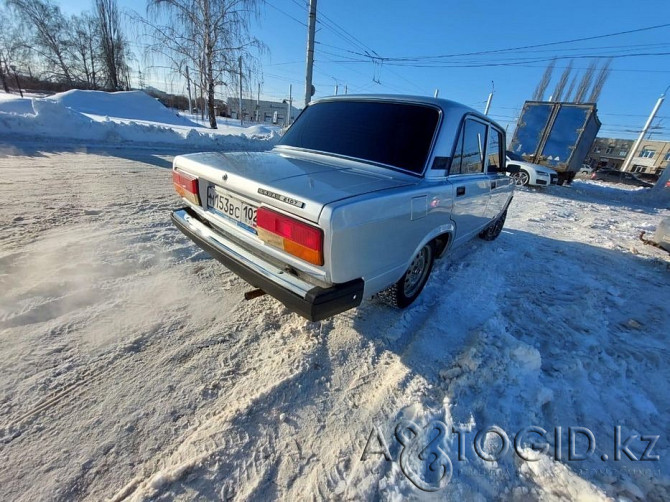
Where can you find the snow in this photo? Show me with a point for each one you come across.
(131, 368)
(123, 105)
(119, 119)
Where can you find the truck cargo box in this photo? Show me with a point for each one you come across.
(556, 135)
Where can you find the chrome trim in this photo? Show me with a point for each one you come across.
(317, 274)
(270, 272)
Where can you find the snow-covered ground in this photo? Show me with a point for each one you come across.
(131, 367)
(120, 119)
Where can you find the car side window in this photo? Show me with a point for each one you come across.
(469, 154)
(494, 149)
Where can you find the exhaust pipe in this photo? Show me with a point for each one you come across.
(250, 295)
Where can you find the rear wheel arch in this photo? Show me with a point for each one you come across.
(441, 244)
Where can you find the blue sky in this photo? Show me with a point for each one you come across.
(399, 29)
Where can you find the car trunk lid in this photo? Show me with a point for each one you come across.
(300, 183)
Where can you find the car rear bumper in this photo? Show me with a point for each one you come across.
(312, 302)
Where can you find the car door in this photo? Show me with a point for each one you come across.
(500, 184)
(471, 185)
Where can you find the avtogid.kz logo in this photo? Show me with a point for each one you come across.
(424, 460)
(423, 457)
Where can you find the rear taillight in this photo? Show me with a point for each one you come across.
(293, 236)
(186, 186)
(593, 176)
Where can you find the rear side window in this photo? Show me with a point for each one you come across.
(494, 149)
(470, 148)
(396, 134)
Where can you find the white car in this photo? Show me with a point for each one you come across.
(585, 169)
(338, 211)
(530, 174)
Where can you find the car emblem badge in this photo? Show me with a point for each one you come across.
(282, 198)
(225, 177)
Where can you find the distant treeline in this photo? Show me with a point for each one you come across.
(206, 43)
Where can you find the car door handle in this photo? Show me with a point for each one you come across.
(460, 191)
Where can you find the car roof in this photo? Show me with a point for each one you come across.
(445, 105)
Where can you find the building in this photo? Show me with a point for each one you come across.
(651, 156)
(261, 111)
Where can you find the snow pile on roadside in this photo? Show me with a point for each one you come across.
(133, 105)
(123, 118)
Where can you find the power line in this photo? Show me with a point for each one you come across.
(286, 14)
(547, 44)
(513, 63)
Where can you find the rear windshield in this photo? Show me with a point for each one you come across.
(395, 134)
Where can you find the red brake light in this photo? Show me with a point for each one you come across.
(186, 186)
(293, 236)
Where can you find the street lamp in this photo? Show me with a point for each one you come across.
(13, 68)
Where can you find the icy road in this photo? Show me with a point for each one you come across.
(131, 367)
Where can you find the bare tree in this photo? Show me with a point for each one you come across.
(585, 83)
(571, 87)
(112, 43)
(542, 85)
(207, 35)
(602, 77)
(50, 30)
(85, 48)
(8, 45)
(563, 81)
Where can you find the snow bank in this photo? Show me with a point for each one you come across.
(122, 118)
(133, 105)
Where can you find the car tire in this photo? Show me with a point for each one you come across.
(403, 293)
(492, 232)
(522, 178)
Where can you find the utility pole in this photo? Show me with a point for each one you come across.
(488, 101)
(188, 87)
(336, 89)
(240, 107)
(290, 105)
(258, 103)
(311, 27)
(346, 89)
(636, 145)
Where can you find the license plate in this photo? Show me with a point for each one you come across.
(232, 208)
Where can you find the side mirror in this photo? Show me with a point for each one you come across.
(492, 169)
(513, 169)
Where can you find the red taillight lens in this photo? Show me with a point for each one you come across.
(293, 236)
(186, 186)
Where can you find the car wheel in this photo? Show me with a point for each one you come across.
(492, 232)
(521, 178)
(410, 285)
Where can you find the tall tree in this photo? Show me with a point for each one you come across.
(50, 32)
(542, 85)
(207, 35)
(85, 48)
(112, 42)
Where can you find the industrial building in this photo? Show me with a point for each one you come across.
(273, 112)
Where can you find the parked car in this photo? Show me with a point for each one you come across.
(585, 169)
(529, 173)
(616, 176)
(361, 195)
(648, 177)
